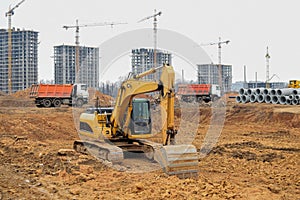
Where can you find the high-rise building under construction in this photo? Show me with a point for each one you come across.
(143, 59)
(24, 59)
(209, 74)
(65, 61)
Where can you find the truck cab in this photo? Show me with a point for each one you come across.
(80, 94)
(216, 90)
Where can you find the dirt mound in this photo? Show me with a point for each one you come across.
(264, 114)
(104, 100)
(24, 94)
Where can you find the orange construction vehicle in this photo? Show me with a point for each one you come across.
(48, 95)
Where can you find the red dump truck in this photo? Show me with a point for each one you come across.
(54, 95)
(198, 92)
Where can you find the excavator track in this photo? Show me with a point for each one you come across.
(100, 149)
(178, 160)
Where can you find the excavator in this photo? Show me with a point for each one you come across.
(127, 127)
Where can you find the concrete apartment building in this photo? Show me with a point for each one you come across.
(24, 59)
(64, 65)
(143, 59)
(209, 74)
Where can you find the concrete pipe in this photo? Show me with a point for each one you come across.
(284, 92)
(261, 98)
(296, 91)
(266, 91)
(242, 91)
(288, 102)
(253, 98)
(291, 96)
(245, 99)
(250, 91)
(282, 100)
(259, 91)
(268, 99)
(295, 102)
(297, 97)
(275, 99)
(238, 99)
(273, 92)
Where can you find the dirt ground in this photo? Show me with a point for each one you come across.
(257, 156)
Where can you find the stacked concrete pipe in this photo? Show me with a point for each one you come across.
(285, 96)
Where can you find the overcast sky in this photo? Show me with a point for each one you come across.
(250, 26)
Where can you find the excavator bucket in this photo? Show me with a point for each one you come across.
(179, 160)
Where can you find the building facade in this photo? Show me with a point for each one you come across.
(24, 59)
(209, 74)
(143, 59)
(65, 61)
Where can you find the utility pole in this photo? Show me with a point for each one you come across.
(267, 56)
(77, 47)
(8, 14)
(154, 16)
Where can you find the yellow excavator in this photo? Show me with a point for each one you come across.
(294, 84)
(109, 132)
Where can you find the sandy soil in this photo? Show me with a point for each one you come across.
(257, 156)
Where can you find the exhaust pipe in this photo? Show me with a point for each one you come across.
(284, 92)
(261, 98)
(282, 100)
(253, 98)
(268, 99)
(275, 99)
(245, 99)
(238, 99)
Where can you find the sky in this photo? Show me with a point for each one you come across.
(250, 25)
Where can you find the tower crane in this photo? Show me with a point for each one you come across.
(77, 26)
(154, 16)
(220, 43)
(8, 14)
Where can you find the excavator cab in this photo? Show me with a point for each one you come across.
(140, 117)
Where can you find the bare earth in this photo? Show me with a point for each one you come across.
(256, 157)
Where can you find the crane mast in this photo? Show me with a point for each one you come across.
(220, 43)
(154, 16)
(8, 14)
(77, 47)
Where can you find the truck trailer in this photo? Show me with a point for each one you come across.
(54, 95)
(199, 92)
